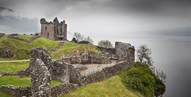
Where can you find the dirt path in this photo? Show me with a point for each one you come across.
(15, 61)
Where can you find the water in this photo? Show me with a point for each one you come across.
(171, 54)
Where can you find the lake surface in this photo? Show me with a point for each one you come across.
(172, 55)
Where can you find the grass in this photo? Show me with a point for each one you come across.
(3, 94)
(27, 37)
(111, 87)
(70, 48)
(21, 49)
(13, 66)
(45, 43)
(21, 81)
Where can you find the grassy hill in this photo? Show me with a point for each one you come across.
(111, 87)
(22, 49)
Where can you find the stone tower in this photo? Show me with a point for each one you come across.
(54, 30)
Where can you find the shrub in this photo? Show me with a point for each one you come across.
(142, 79)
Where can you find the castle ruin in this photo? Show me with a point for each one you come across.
(54, 30)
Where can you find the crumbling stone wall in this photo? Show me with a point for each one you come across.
(17, 91)
(124, 51)
(87, 58)
(40, 79)
(57, 69)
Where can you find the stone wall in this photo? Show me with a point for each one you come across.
(17, 91)
(124, 51)
(40, 79)
(87, 58)
(59, 71)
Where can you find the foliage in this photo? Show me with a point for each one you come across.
(88, 39)
(161, 75)
(105, 44)
(142, 79)
(111, 87)
(144, 55)
(21, 81)
(79, 37)
(13, 66)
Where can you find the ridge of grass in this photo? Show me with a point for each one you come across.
(21, 81)
(13, 66)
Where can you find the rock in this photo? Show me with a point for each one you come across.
(6, 53)
(75, 76)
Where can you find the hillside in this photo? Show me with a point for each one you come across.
(22, 49)
(111, 87)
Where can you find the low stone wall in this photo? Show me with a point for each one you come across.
(62, 89)
(87, 58)
(105, 73)
(17, 91)
(108, 50)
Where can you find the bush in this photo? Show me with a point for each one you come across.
(105, 44)
(142, 79)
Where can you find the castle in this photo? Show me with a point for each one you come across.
(54, 30)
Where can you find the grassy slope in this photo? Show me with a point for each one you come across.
(19, 46)
(13, 66)
(45, 43)
(111, 87)
(21, 81)
(70, 48)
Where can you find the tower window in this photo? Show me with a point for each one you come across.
(45, 28)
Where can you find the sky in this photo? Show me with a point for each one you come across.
(95, 17)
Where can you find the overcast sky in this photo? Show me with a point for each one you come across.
(95, 17)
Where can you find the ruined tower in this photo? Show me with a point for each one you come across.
(54, 30)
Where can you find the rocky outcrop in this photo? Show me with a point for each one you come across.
(40, 79)
(6, 53)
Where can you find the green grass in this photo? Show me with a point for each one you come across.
(22, 49)
(70, 48)
(13, 66)
(27, 37)
(45, 43)
(3, 94)
(21, 81)
(111, 87)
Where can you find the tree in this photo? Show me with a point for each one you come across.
(78, 36)
(105, 43)
(144, 55)
(88, 39)
(161, 75)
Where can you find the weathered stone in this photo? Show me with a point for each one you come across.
(6, 53)
(40, 54)
(124, 51)
(40, 78)
(75, 76)
(59, 71)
